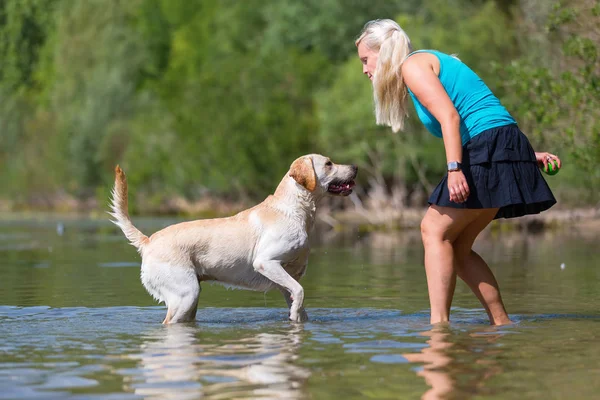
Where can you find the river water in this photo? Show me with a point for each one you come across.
(76, 323)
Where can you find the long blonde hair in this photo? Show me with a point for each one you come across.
(389, 91)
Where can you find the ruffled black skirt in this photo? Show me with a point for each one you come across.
(502, 172)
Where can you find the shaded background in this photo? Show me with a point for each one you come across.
(215, 98)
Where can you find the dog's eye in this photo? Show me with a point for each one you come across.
(329, 163)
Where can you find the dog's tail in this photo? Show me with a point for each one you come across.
(120, 213)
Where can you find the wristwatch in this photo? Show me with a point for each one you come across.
(453, 166)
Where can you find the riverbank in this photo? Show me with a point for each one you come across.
(402, 219)
(354, 217)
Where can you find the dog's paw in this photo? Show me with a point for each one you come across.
(300, 316)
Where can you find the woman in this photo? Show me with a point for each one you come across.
(492, 170)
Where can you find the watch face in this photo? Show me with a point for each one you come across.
(453, 166)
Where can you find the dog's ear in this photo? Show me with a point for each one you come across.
(303, 172)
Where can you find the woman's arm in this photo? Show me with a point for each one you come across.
(420, 75)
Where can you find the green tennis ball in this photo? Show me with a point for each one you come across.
(551, 168)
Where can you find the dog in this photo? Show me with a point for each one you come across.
(261, 248)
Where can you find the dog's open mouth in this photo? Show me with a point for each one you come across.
(341, 188)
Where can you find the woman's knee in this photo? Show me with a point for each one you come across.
(442, 224)
(432, 232)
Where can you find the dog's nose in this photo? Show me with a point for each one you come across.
(354, 168)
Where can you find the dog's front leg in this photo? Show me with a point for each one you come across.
(288, 299)
(275, 272)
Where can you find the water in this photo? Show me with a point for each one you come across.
(76, 323)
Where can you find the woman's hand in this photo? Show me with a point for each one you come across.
(543, 158)
(458, 186)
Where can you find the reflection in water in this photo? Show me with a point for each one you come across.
(436, 360)
(175, 364)
(446, 367)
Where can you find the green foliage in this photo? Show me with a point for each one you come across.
(219, 96)
(325, 26)
(239, 116)
(241, 94)
(75, 94)
(93, 85)
(25, 26)
(559, 103)
(477, 35)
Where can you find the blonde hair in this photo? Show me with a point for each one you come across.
(389, 91)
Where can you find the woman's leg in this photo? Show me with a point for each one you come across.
(439, 229)
(472, 269)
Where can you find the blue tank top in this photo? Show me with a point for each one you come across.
(477, 106)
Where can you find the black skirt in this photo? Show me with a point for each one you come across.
(502, 172)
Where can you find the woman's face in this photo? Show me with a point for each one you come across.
(368, 58)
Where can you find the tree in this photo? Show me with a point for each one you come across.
(556, 96)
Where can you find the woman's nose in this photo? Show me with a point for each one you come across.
(364, 69)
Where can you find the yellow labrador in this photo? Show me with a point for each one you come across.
(261, 248)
